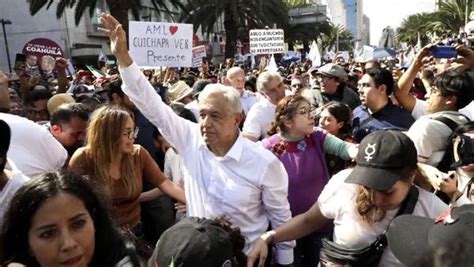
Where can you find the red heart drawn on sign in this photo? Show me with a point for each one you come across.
(173, 29)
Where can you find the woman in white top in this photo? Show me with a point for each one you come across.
(363, 201)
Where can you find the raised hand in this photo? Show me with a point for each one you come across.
(61, 63)
(118, 39)
(3, 78)
(423, 55)
(466, 56)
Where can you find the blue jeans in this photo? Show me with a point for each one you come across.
(307, 249)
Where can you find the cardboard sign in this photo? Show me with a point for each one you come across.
(271, 41)
(154, 44)
(199, 52)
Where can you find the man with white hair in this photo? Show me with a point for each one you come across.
(226, 174)
(235, 77)
(262, 114)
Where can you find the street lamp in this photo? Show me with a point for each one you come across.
(6, 22)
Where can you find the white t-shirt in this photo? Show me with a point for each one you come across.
(33, 149)
(464, 187)
(430, 138)
(259, 119)
(174, 168)
(468, 110)
(15, 181)
(338, 201)
(421, 107)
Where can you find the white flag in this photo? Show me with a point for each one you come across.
(272, 66)
(314, 55)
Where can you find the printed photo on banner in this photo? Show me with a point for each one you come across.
(154, 44)
(271, 41)
(199, 52)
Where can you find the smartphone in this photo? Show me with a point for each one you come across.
(20, 59)
(443, 51)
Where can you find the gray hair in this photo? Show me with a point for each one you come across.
(49, 58)
(234, 71)
(264, 78)
(231, 95)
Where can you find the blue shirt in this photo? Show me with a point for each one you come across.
(390, 117)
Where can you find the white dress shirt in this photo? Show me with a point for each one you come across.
(249, 184)
(259, 119)
(248, 99)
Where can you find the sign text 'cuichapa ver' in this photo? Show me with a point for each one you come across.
(155, 44)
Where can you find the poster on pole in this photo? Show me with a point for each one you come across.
(155, 44)
(199, 52)
(271, 41)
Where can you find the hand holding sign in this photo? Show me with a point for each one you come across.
(118, 41)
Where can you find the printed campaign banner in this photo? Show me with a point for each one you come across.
(155, 44)
(271, 41)
(199, 52)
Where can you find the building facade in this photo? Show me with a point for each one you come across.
(349, 14)
(366, 31)
(81, 43)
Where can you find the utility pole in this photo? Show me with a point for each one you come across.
(6, 22)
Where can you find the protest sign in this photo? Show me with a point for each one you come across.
(199, 52)
(155, 44)
(40, 47)
(271, 41)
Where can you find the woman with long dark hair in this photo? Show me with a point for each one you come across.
(60, 219)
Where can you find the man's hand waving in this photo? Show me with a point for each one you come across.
(118, 39)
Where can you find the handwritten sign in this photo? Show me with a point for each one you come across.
(199, 52)
(155, 44)
(271, 41)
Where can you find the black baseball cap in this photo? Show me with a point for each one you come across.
(193, 242)
(413, 238)
(381, 158)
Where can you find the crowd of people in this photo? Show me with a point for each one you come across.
(344, 164)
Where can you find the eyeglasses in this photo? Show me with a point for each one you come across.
(308, 112)
(299, 85)
(37, 113)
(131, 134)
(324, 78)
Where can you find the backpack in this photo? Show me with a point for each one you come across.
(452, 120)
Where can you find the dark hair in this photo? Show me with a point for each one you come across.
(251, 81)
(5, 136)
(110, 248)
(457, 83)
(365, 205)
(341, 112)
(36, 95)
(382, 76)
(374, 62)
(238, 241)
(66, 112)
(114, 87)
(285, 110)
